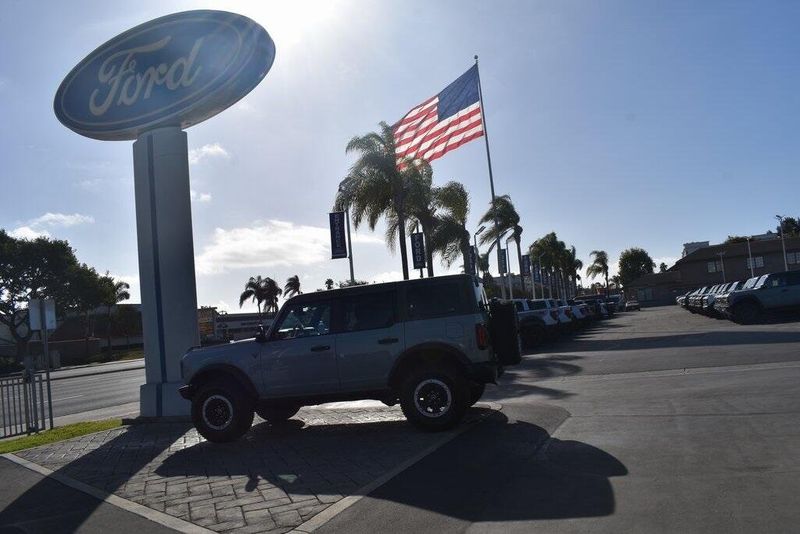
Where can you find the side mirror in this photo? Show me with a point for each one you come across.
(261, 334)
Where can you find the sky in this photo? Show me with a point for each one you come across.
(613, 123)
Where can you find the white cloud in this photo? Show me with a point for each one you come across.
(669, 260)
(60, 219)
(200, 197)
(26, 232)
(267, 245)
(37, 227)
(215, 150)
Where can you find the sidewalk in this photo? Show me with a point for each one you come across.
(49, 506)
(275, 479)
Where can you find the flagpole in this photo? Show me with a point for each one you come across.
(488, 158)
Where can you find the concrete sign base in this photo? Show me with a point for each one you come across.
(166, 266)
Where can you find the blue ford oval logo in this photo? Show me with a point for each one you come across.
(176, 70)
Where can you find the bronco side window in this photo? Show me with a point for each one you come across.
(305, 320)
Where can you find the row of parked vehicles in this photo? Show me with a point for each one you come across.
(746, 301)
(546, 318)
(430, 345)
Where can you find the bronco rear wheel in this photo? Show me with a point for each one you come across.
(434, 398)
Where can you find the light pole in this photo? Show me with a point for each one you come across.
(499, 252)
(475, 244)
(722, 264)
(783, 243)
(750, 257)
(508, 269)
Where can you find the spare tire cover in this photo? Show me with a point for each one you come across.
(504, 331)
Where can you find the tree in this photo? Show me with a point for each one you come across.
(351, 283)
(451, 238)
(329, 283)
(735, 239)
(292, 287)
(633, 263)
(550, 252)
(29, 269)
(573, 266)
(421, 208)
(662, 267)
(113, 293)
(375, 188)
(791, 225)
(502, 217)
(129, 321)
(87, 292)
(599, 265)
(261, 291)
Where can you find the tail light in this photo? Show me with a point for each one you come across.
(482, 336)
(554, 314)
(569, 312)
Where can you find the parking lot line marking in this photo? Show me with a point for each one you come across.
(340, 506)
(155, 516)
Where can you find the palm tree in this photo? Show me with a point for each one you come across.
(329, 283)
(502, 217)
(292, 287)
(551, 252)
(599, 266)
(116, 292)
(451, 238)
(261, 291)
(573, 266)
(421, 209)
(376, 188)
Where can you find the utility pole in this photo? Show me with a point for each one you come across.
(783, 243)
(750, 257)
(722, 264)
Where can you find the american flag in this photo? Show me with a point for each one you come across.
(441, 123)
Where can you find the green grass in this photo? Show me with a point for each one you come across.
(57, 434)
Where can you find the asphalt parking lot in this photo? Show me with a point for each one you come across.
(653, 421)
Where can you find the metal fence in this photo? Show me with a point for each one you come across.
(23, 404)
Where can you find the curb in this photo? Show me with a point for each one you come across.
(341, 505)
(155, 516)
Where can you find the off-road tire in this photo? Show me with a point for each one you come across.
(746, 312)
(475, 393)
(434, 398)
(277, 414)
(222, 411)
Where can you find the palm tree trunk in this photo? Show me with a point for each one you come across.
(401, 230)
(108, 327)
(519, 259)
(467, 258)
(428, 251)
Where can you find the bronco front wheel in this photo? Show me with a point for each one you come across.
(221, 412)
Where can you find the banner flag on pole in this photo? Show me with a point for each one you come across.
(338, 236)
(418, 250)
(526, 264)
(441, 123)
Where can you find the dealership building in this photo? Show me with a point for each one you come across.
(706, 265)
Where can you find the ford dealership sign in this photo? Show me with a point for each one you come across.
(177, 70)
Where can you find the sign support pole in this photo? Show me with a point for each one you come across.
(46, 355)
(166, 266)
(350, 248)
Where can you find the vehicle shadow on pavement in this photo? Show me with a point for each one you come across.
(699, 339)
(515, 381)
(502, 470)
(108, 466)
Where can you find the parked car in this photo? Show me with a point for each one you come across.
(709, 301)
(429, 344)
(564, 314)
(632, 305)
(777, 291)
(537, 321)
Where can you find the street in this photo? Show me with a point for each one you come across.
(658, 421)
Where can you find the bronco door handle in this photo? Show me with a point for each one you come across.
(388, 340)
(320, 348)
